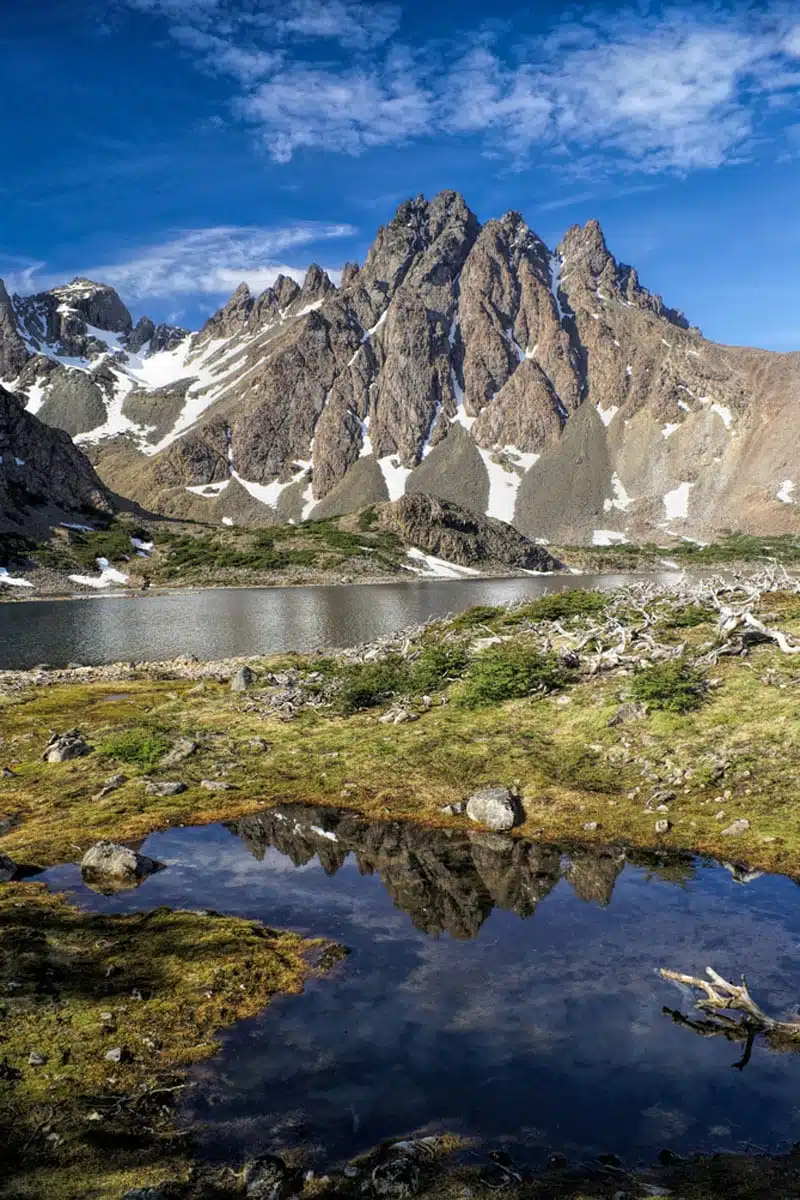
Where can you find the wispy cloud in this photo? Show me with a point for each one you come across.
(655, 90)
(199, 261)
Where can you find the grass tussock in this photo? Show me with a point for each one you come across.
(139, 747)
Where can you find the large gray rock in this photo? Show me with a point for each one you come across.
(453, 533)
(64, 746)
(117, 865)
(242, 680)
(494, 807)
(181, 749)
(169, 787)
(397, 1178)
(266, 1178)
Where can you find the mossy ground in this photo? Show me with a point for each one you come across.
(73, 986)
(571, 766)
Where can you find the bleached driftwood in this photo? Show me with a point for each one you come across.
(721, 1000)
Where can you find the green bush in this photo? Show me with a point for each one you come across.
(510, 671)
(140, 747)
(367, 519)
(366, 684)
(688, 616)
(556, 606)
(673, 686)
(479, 614)
(113, 543)
(437, 666)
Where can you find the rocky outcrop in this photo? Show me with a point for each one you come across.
(459, 536)
(548, 389)
(43, 476)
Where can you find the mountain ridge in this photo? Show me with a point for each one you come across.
(549, 389)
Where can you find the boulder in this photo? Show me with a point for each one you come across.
(737, 828)
(495, 807)
(172, 787)
(8, 868)
(266, 1178)
(181, 749)
(217, 785)
(397, 1178)
(110, 863)
(64, 746)
(242, 680)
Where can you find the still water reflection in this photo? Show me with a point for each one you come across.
(496, 987)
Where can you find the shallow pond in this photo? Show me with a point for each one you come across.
(495, 987)
(224, 622)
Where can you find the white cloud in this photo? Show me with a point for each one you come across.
(199, 261)
(348, 111)
(674, 89)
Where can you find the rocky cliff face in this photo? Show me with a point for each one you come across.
(43, 476)
(468, 362)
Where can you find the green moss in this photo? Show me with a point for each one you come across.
(159, 986)
(140, 747)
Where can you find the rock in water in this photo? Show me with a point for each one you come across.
(266, 1178)
(116, 866)
(64, 746)
(494, 807)
(8, 868)
(242, 680)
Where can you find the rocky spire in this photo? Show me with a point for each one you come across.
(13, 351)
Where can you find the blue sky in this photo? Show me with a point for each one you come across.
(175, 147)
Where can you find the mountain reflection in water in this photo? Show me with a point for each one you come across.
(448, 881)
(496, 987)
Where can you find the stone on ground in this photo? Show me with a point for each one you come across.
(494, 807)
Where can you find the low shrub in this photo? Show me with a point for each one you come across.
(688, 616)
(438, 665)
(510, 671)
(141, 747)
(366, 684)
(674, 686)
(479, 614)
(556, 606)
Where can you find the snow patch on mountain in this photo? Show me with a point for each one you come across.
(676, 502)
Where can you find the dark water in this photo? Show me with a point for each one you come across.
(498, 988)
(219, 623)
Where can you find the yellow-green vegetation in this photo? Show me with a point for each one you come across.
(723, 739)
(100, 1017)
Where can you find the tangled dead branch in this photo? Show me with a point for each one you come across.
(721, 999)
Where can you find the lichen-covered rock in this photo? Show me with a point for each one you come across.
(242, 680)
(494, 807)
(64, 746)
(397, 1178)
(169, 787)
(266, 1178)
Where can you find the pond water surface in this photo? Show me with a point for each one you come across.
(225, 622)
(498, 988)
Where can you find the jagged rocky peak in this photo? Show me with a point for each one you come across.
(316, 285)
(586, 259)
(432, 236)
(95, 303)
(13, 351)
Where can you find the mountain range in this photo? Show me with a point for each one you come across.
(549, 389)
